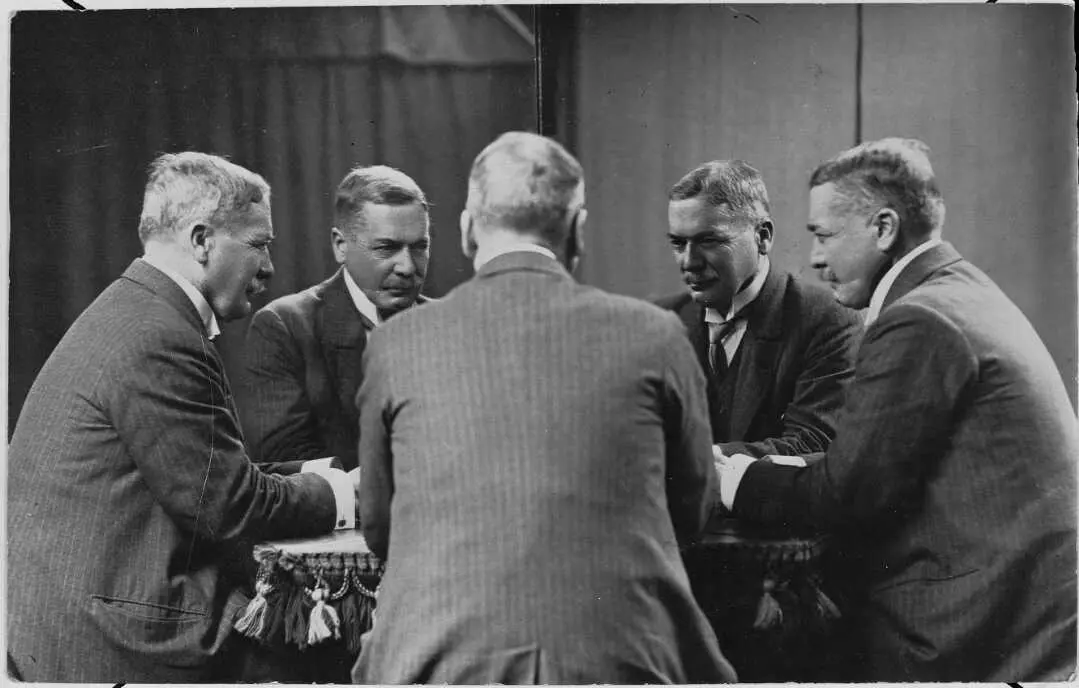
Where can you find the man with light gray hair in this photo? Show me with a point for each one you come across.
(542, 447)
(129, 488)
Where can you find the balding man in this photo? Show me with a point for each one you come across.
(532, 450)
(129, 489)
(304, 350)
(952, 477)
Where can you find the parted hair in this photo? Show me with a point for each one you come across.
(377, 184)
(891, 172)
(190, 187)
(734, 187)
(526, 183)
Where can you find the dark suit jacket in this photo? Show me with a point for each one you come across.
(128, 487)
(539, 445)
(304, 353)
(797, 356)
(955, 467)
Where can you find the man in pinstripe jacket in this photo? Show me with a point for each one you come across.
(952, 478)
(129, 489)
(533, 450)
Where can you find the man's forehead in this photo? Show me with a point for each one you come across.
(695, 215)
(380, 220)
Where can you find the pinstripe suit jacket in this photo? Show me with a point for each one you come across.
(954, 471)
(531, 448)
(128, 490)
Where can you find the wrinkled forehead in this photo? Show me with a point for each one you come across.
(406, 222)
(691, 216)
(253, 221)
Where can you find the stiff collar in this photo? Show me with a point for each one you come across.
(206, 313)
(744, 297)
(483, 257)
(880, 293)
(364, 305)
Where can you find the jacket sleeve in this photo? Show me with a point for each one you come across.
(376, 462)
(173, 413)
(826, 367)
(912, 370)
(692, 487)
(278, 420)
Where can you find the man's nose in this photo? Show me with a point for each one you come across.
(266, 270)
(404, 264)
(690, 258)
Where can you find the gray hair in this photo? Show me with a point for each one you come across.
(893, 173)
(376, 184)
(527, 183)
(734, 187)
(190, 187)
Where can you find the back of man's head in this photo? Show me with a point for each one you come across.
(188, 188)
(734, 187)
(893, 173)
(527, 184)
(378, 185)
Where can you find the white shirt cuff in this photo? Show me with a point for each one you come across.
(730, 470)
(782, 460)
(344, 492)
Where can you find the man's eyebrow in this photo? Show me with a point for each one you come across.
(704, 233)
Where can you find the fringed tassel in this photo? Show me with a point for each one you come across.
(324, 622)
(253, 622)
(769, 613)
(296, 618)
(351, 621)
(274, 635)
(825, 607)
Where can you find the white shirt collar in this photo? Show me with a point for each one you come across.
(364, 305)
(744, 297)
(876, 301)
(483, 257)
(206, 313)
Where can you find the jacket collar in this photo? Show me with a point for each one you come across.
(516, 261)
(920, 269)
(164, 286)
(342, 324)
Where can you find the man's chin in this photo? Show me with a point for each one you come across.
(851, 295)
(710, 300)
(396, 302)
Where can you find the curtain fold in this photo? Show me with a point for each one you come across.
(297, 95)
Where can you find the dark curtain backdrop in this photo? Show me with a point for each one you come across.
(298, 95)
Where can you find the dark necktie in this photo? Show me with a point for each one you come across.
(717, 355)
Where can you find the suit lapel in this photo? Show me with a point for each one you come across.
(692, 315)
(760, 349)
(342, 336)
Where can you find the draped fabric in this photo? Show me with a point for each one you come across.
(299, 95)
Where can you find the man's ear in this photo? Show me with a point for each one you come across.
(201, 237)
(764, 234)
(339, 244)
(575, 240)
(886, 222)
(468, 235)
